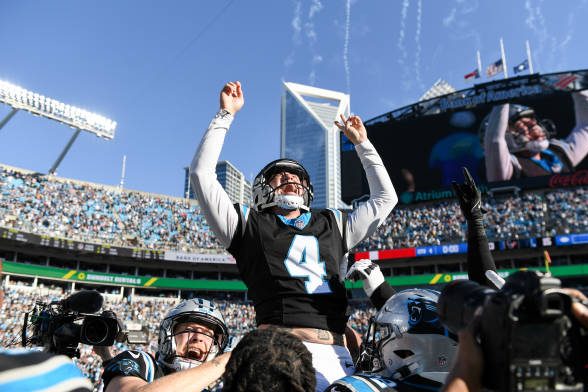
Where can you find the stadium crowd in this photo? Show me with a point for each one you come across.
(147, 311)
(512, 217)
(88, 212)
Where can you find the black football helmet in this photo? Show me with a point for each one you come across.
(264, 196)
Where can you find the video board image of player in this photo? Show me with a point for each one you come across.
(425, 153)
(521, 142)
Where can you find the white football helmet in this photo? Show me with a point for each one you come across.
(264, 196)
(196, 310)
(407, 338)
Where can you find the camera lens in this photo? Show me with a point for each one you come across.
(458, 303)
(95, 331)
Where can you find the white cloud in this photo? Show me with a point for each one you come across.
(346, 46)
(296, 24)
(469, 6)
(289, 60)
(296, 20)
(459, 23)
(547, 52)
(401, 46)
(315, 7)
(449, 19)
(312, 77)
(310, 32)
(312, 37)
(418, 48)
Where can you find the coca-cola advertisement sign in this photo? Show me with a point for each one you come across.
(578, 178)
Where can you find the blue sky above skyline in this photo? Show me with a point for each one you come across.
(156, 68)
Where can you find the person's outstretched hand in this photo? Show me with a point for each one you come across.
(470, 199)
(353, 128)
(231, 97)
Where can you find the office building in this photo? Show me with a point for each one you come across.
(309, 135)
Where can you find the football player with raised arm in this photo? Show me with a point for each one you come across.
(291, 257)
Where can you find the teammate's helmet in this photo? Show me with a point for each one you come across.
(362, 383)
(409, 339)
(264, 196)
(195, 310)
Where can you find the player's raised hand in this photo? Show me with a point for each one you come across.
(353, 128)
(468, 194)
(231, 97)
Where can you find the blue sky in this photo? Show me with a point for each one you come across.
(157, 67)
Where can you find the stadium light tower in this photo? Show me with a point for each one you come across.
(81, 120)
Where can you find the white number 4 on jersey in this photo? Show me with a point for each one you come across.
(303, 261)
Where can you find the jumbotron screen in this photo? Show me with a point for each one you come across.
(523, 131)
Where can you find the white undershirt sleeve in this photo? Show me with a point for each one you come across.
(578, 139)
(366, 218)
(498, 158)
(214, 201)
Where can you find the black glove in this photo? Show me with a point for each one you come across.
(470, 199)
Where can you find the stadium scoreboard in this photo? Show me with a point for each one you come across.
(425, 145)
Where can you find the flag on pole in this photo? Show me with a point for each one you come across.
(475, 74)
(521, 67)
(503, 67)
(494, 68)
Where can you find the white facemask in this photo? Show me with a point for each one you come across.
(289, 202)
(537, 146)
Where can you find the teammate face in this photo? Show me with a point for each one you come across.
(528, 127)
(286, 183)
(193, 340)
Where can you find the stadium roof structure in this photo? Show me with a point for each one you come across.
(80, 119)
(439, 88)
(494, 92)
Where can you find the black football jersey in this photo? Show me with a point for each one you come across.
(133, 363)
(292, 272)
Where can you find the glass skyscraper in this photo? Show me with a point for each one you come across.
(309, 135)
(230, 178)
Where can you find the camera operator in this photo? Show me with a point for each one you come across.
(28, 370)
(189, 356)
(467, 373)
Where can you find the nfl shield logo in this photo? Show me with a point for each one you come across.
(299, 223)
(442, 361)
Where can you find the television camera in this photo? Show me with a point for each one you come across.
(59, 326)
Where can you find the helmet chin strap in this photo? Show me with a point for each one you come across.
(405, 371)
(537, 146)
